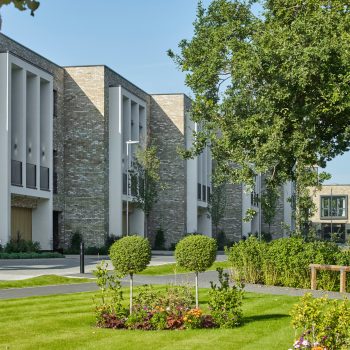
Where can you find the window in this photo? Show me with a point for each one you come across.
(55, 103)
(334, 206)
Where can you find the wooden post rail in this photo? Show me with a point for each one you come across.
(342, 269)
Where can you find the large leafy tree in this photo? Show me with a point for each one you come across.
(276, 87)
(21, 5)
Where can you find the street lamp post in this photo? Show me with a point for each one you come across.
(127, 183)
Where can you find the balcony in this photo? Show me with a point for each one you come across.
(44, 178)
(16, 173)
(31, 176)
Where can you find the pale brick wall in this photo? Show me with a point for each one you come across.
(85, 162)
(231, 224)
(167, 133)
(343, 190)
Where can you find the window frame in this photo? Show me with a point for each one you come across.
(323, 217)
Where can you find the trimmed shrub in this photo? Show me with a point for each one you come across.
(31, 255)
(196, 253)
(130, 255)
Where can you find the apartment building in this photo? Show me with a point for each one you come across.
(68, 136)
(65, 135)
(332, 216)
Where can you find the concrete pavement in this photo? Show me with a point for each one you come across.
(186, 278)
(18, 269)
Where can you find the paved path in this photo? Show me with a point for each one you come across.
(204, 282)
(70, 265)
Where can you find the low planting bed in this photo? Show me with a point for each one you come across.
(171, 309)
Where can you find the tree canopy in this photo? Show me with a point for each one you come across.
(274, 86)
(22, 5)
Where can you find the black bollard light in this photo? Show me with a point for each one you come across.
(82, 265)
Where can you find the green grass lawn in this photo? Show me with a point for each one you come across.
(46, 280)
(67, 322)
(169, 269)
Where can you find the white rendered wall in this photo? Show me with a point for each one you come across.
(42, 224)
(126, 113)
(31, 118)
(137, 222)
(191, 179)
(5, 159)
(204, 222)
(115, 162)
(18, 116)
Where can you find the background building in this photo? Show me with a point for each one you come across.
(331, 218)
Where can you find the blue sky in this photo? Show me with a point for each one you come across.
(131, 37)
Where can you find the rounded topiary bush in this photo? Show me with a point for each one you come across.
(196, 253)
(130, 255)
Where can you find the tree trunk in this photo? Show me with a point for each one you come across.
(146, 225)
(131, 287)
(196, 289)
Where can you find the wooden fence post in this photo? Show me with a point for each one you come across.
(342, 281)
(313, 278)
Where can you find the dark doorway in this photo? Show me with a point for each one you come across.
(56, 229)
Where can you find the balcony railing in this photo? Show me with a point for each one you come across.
(31, 175)
(16, 173)
(44, 178)
(125, 183)
(199, 191)
(204, 193)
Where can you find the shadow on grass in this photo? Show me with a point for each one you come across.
(258, 318)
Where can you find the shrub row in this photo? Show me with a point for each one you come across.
(285, 262)
(32, 255)
(19, 245)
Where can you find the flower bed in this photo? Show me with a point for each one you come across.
(322, 323)
(169, 310)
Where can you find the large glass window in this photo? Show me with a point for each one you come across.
(333, 206)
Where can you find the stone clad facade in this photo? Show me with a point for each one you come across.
(167, 132)
(87, 100)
